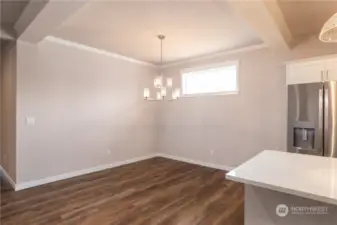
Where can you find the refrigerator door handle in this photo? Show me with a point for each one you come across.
(330, 119)
(320, 118)
(326, 118)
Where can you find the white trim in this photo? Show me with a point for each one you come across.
(215, 55)
(7, 177)
(318, 58)
(210, 66)
(132, 60)
(200, 163)
(34, 183)
(210, 94)
(96, 50)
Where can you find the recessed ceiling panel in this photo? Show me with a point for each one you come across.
(307, 17)
(192, 28)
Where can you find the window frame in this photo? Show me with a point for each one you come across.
(211, 66)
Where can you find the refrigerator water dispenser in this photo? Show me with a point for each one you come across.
(304, 138)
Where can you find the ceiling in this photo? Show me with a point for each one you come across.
(11, 11)
(307, 17)
(130, 28)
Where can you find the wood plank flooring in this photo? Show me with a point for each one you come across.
(157, 191)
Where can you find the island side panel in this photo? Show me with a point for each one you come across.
(260, 209)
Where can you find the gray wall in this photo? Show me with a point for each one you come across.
(88, 110)
(8, 110)
(234, 127)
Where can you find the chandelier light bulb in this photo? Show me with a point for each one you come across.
(159, 97)
(169, 82)
(146, 93)
(158, 82)
(174, 96)
(177, 92)
(163, 91)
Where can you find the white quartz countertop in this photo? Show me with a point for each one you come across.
(312, 177)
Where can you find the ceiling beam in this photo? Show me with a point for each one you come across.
(40, 18)
(267, 20)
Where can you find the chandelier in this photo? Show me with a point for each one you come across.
(329, 30)
(162, 86)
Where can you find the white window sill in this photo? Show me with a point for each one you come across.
(209, 94)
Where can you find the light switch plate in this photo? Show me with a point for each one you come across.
(30, 121)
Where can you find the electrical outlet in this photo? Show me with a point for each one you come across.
(211, 151)
(30, 121)
(108, 151)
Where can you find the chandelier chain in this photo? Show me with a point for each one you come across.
(161, 38)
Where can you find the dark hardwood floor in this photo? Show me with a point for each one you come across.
(152, 192)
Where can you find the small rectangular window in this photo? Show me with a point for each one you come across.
(216, 79)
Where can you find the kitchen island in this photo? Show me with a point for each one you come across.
(284, 188)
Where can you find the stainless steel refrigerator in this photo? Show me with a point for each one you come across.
(312, 118)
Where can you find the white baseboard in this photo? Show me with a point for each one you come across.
(7, 177)
(192, 161)
(34, 183)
